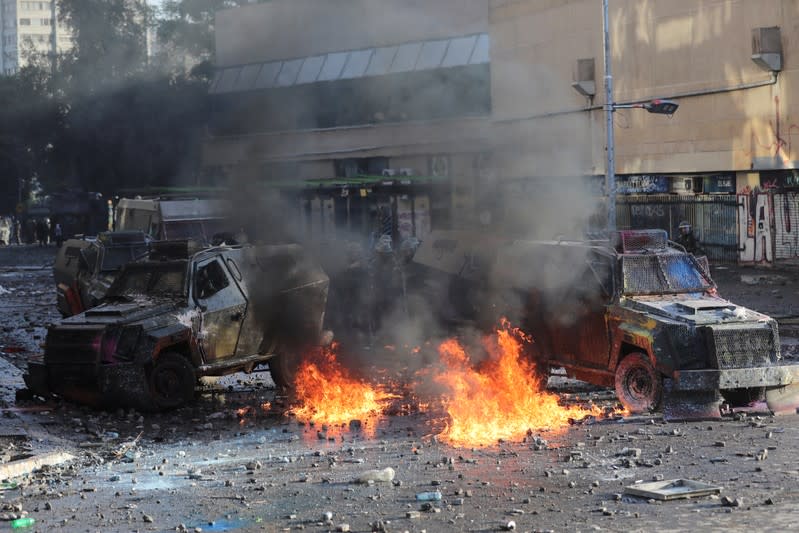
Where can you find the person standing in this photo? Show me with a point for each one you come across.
(41, 232)
(687, 238)
(58, 233)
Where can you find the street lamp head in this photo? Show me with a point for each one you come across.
(661, 107)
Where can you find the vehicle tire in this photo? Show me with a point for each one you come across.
(283, 367)
(172, 381)
(743, 397)
(639, 387)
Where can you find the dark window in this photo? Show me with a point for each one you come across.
(372, 166)
(90, 257)
(185, 229)
(211, 279)
(460, 91)
(156, 281)
(115, 258)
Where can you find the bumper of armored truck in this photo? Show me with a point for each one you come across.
(710, 344)
(82, 364)
(778, 375)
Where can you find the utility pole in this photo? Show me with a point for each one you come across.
(610, 164)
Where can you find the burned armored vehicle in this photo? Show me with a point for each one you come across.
(178, 316)
(85, 268)
(637, 313)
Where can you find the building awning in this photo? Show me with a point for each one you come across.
(196, 209)
(353, 64)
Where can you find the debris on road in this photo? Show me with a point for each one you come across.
(672, 489)
(385, 475)
(27, 465)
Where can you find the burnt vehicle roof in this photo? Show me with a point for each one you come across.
(124, 237)
(647, 261)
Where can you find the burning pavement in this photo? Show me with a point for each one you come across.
(235, 460)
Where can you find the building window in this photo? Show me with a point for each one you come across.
(45, 22)
(24, 22)
(33, 6)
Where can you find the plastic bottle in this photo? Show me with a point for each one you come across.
(428, 496)
(385, 475)
(20, 523)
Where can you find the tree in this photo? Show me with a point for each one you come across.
(109, 42)
(99, 117)
(29, 123)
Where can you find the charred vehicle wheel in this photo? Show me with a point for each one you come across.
(639, 386)
(283, 367)
(172, 381)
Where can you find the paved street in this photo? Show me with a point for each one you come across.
(228, 463)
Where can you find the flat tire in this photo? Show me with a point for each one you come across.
(172, 381)
(639, 387)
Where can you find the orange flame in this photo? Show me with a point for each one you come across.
(501, 399)
(327, 393)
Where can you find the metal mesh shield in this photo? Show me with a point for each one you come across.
(663, 273)
(738, 347)
(642, 275)
(681, 273)
(641, 240)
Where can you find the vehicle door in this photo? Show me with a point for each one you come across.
(253, 328)
(222, 306)
(579, 319)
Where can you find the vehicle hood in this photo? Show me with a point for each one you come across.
(138, 311)
(696, 308)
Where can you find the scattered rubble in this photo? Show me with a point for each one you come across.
(168, 468)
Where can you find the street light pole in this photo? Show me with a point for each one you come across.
(610, 164)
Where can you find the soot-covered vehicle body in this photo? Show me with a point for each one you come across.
(169, 320)
(639, 314)
(85, 268)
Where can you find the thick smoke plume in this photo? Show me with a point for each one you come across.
(384, 306)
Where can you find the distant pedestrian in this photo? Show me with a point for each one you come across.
(687, 238)
(41, 232)
(15, 231)
(58, 233)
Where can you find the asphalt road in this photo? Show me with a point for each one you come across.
(207, 468)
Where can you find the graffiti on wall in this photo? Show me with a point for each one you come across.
(786, 225)
(642, 184)
(754, 228)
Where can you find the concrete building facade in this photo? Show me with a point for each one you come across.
(28, 27)
(305, 88)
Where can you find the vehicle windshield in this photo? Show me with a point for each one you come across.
(159, 280)
(186, 229)
(663, 273)
(115, 257)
